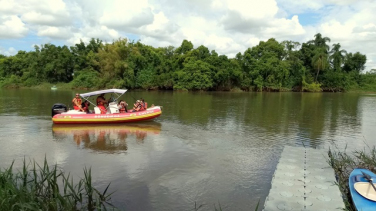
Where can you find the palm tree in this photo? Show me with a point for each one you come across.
(320, 41)
(320, 60)
(337, 56)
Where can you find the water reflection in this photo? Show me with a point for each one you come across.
(105, 138)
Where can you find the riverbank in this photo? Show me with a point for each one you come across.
(69, 86)
(344, 162)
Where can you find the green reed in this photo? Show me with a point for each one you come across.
(36, 187)
(343, 163)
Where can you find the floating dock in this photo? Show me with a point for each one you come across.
(303, 180)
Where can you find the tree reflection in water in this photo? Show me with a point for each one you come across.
(106, 138)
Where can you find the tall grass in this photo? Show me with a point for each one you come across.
(43, 187)
(37, 187)
(343, 163)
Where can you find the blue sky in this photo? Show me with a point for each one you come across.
(309, 18)
(227, 26)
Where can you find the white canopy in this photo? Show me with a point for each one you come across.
(119, 91)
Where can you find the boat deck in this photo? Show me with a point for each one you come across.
(303, 180)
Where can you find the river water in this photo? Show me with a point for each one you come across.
(206, 148)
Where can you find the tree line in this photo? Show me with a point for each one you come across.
(269, 66)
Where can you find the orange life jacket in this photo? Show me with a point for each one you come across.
(78, 101)
(142, 108)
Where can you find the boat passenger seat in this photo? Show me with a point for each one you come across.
(97, 110)
(112, 108)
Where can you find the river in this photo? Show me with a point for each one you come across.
(206, 148)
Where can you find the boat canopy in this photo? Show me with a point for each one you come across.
(105, 91)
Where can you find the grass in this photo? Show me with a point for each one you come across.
(36, 187)
(44, 187)
(343, 163)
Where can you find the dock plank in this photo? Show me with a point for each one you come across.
(303, 181)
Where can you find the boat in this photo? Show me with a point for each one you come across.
(362, 192)
(53, 88)
(61, 115)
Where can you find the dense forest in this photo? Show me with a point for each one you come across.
(269, 66)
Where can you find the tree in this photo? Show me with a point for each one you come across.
(355, 62)
(184, 47)
(320, 60)
(320, 41)
(337, 57)
(196, 75)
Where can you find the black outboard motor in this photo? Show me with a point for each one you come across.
(58, 108)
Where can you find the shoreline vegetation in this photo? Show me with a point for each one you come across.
(271, 66)
(344, 162)
(44, 187)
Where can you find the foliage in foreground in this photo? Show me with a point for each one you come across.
(343, 163)
(38, 187)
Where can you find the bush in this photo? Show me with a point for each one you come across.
(31, 82)
(86, 79)
(12, 82)
(312, 87)
(335, 81)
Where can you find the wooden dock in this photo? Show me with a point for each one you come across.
(303, 180)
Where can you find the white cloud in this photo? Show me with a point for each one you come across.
(100, 32)
(126, 15)
(227, 26)
(55, 32)
(46, 19)
(12, 27)
(354, 27)
(8, 52)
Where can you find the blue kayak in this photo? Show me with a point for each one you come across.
(356, 179)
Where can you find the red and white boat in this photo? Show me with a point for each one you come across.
(60, 114)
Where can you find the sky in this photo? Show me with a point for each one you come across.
(226, 26)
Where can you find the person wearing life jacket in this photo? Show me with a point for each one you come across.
(141, 105)
(144, 104)
(137, 106)
(101, 102)
(77, 103)
(122, 106)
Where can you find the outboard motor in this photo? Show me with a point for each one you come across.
(58, 108)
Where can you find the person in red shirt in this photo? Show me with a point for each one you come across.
(101, 102)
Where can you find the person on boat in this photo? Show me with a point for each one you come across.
(77, 103)
(137, 106)
(144, 104)
(85, 106)
(101, 102)
(122, 106)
